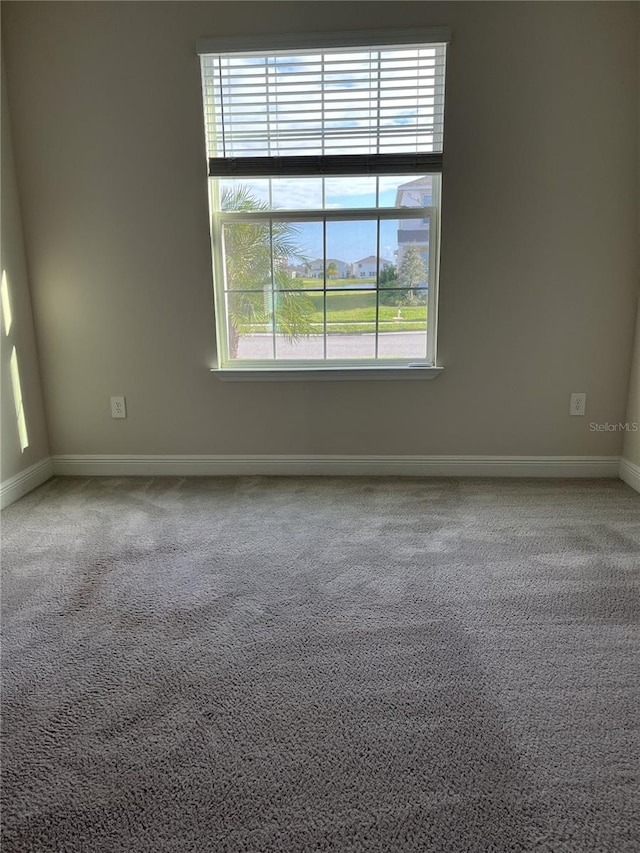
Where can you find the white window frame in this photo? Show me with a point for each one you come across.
(219, 218)
(331, 368)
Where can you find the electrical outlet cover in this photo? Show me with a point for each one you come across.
(118, 408)
(578, 403)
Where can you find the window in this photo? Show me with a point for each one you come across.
(325, 162)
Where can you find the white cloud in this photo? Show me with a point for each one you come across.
(340, 193)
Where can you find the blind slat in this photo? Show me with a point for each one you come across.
(354, 114)
(390, 97)
(256, 66)
(347, 97)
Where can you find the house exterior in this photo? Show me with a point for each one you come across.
(316, 268)
(297, 270)
(368, 267)
(418, 193)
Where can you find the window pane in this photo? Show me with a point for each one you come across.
(299, 245)
(259, 253)
(406, 190)
(247, 256)
(406, 241)
(373, 305)
(351, 326)
(351, 253)
(246, 194)
(296, 193)
(337, 193)
(402, 324)
(299, 321)
(331, 193)
(250, 324)
(349, 193)
(268, 194)
(412, 259)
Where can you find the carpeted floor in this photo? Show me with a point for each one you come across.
(321, 664)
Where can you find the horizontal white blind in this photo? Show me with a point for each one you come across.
(340, 101)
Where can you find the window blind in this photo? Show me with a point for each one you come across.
(346, 102)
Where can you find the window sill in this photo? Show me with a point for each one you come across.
(330, 374)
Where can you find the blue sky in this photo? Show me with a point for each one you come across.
(346, 241)
(349, 241)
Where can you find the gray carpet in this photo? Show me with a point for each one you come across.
(318, 664)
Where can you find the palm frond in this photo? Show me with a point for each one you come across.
(255, 254)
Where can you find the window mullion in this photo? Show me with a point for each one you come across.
(324, 292)
(274, 294)
(377, 286)
(432, 295)
(219, 296)
(336, 215)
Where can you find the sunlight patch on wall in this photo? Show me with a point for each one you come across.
(6, 305)
(17, 401)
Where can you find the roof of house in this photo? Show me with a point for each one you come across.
(424, 181)
(371, 259)
(321, 261)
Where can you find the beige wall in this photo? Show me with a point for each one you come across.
(538, 251)
(631, 449)
(20, 332)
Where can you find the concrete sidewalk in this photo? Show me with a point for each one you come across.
(390, 345)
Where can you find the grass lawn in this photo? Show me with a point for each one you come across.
(333, 282)
(354, 311)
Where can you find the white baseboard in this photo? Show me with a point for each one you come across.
(18, 485)
(284, 465)
(294, 465)
(630, 473)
